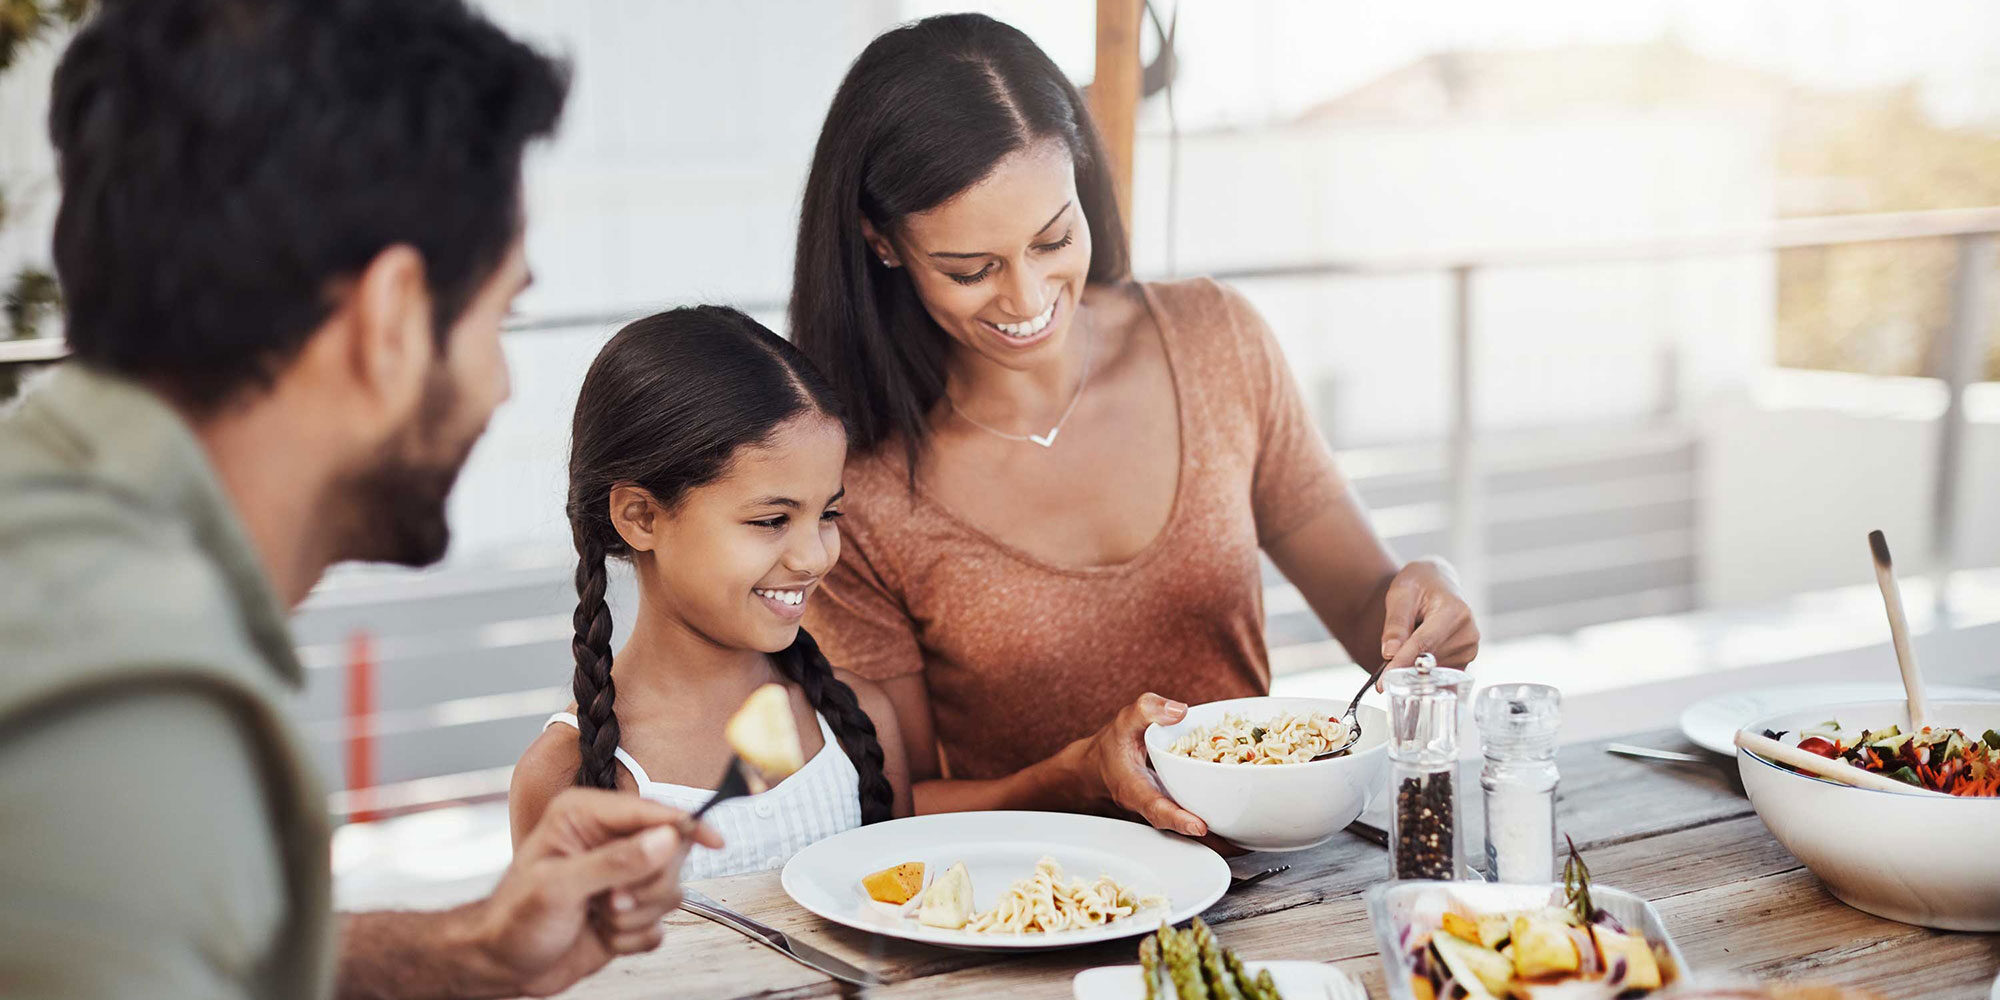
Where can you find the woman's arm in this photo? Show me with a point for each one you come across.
(1103, 772)
(1314, 528)
(1380, 613)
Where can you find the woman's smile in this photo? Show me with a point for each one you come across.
(1033, 331)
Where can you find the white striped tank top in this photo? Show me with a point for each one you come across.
(762, 831)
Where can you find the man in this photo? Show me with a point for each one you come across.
(289, 232)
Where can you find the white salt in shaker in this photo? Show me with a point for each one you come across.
(1518, 723)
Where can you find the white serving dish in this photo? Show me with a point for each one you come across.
(1273, 807)
(1395, 906)
(1922, 859)
(1300, 980)
(998, 848)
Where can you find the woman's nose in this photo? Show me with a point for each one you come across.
(1025, 291)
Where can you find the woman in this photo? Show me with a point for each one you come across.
(1060, 479)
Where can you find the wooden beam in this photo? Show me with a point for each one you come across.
(1114, 93)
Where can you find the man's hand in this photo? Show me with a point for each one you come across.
(591, 882)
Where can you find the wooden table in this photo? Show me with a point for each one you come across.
(1683, 836)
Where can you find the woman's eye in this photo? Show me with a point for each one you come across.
(975, 278)
(771, 522)
(832, 515)
(1068, 238)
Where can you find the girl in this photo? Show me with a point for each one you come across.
(708, 453)
(1110, 456)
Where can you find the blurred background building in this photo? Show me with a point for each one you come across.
(1644, 313)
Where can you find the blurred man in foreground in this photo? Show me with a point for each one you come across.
(289, 232)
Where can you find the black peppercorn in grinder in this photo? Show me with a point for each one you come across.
(1424, 701)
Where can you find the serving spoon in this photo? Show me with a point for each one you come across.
(1425, 660)
(1899, 632)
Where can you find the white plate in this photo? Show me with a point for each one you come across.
(997, 848)
(1296, 980)
(1712, 724)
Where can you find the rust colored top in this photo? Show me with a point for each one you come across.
(1021, 656)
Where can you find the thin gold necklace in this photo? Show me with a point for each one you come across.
(1045, 440)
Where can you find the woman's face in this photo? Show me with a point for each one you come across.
(737, 559)
(1002, 265)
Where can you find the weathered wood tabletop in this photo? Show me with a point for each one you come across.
(1681, 835)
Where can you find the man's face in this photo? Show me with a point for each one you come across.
(398, 502)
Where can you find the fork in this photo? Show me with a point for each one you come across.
(1246, 881)
(1353, 723)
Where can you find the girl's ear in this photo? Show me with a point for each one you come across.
(636, 516)
(879, 245)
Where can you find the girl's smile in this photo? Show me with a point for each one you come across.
(788, 603)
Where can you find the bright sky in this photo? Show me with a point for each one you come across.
(1252, 60)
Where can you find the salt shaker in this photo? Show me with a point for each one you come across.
(1517, 724)
(1423, 754)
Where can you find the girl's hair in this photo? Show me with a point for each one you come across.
(928, 110)
(665, 406)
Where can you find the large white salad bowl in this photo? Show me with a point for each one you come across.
(1922, 859)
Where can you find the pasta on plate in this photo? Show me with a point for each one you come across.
(1291, 738)
(1045, 902)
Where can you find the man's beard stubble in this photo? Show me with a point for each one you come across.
(394, 510)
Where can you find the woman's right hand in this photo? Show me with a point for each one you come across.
(1112, 767)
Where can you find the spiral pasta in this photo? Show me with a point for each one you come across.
(1044, 903)
(1290, 738)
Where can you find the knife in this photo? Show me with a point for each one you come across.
(804, 954)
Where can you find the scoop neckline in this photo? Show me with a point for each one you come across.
(1152, 548)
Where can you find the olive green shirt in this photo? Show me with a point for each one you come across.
(162, 833)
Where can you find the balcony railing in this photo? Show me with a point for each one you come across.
(1973, 229)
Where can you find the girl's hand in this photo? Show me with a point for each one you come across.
(1111, 766)
(1427, 614)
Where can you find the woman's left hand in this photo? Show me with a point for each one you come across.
(1427, 614)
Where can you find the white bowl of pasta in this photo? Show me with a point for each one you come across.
(1242, 766)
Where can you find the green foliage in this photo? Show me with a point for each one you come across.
(32, 296)
(21, 22)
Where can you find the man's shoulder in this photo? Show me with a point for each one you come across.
(95, 586)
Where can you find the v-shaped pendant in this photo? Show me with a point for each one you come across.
(1048, 440)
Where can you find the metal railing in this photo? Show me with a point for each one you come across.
(1973, 229)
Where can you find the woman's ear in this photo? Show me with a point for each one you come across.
(636, 516)
(879, 245)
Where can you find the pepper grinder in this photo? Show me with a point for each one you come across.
(1424, 835)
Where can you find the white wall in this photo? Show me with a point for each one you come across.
(1555, 343)
(1797, 470)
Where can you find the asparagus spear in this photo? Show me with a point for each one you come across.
(1150, 969)
(1221, 984)
(1184, 964)
(1244, 981)
(1268, 986)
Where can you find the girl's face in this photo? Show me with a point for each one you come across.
(738, 559)
(1002, 265)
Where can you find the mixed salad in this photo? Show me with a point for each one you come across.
(1934, 757)
(1573, 952)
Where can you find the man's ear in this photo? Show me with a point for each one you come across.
(880, 245)
(636, 516)
(391, 344)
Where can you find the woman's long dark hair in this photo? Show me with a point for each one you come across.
(665, 406)
(927, 111)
